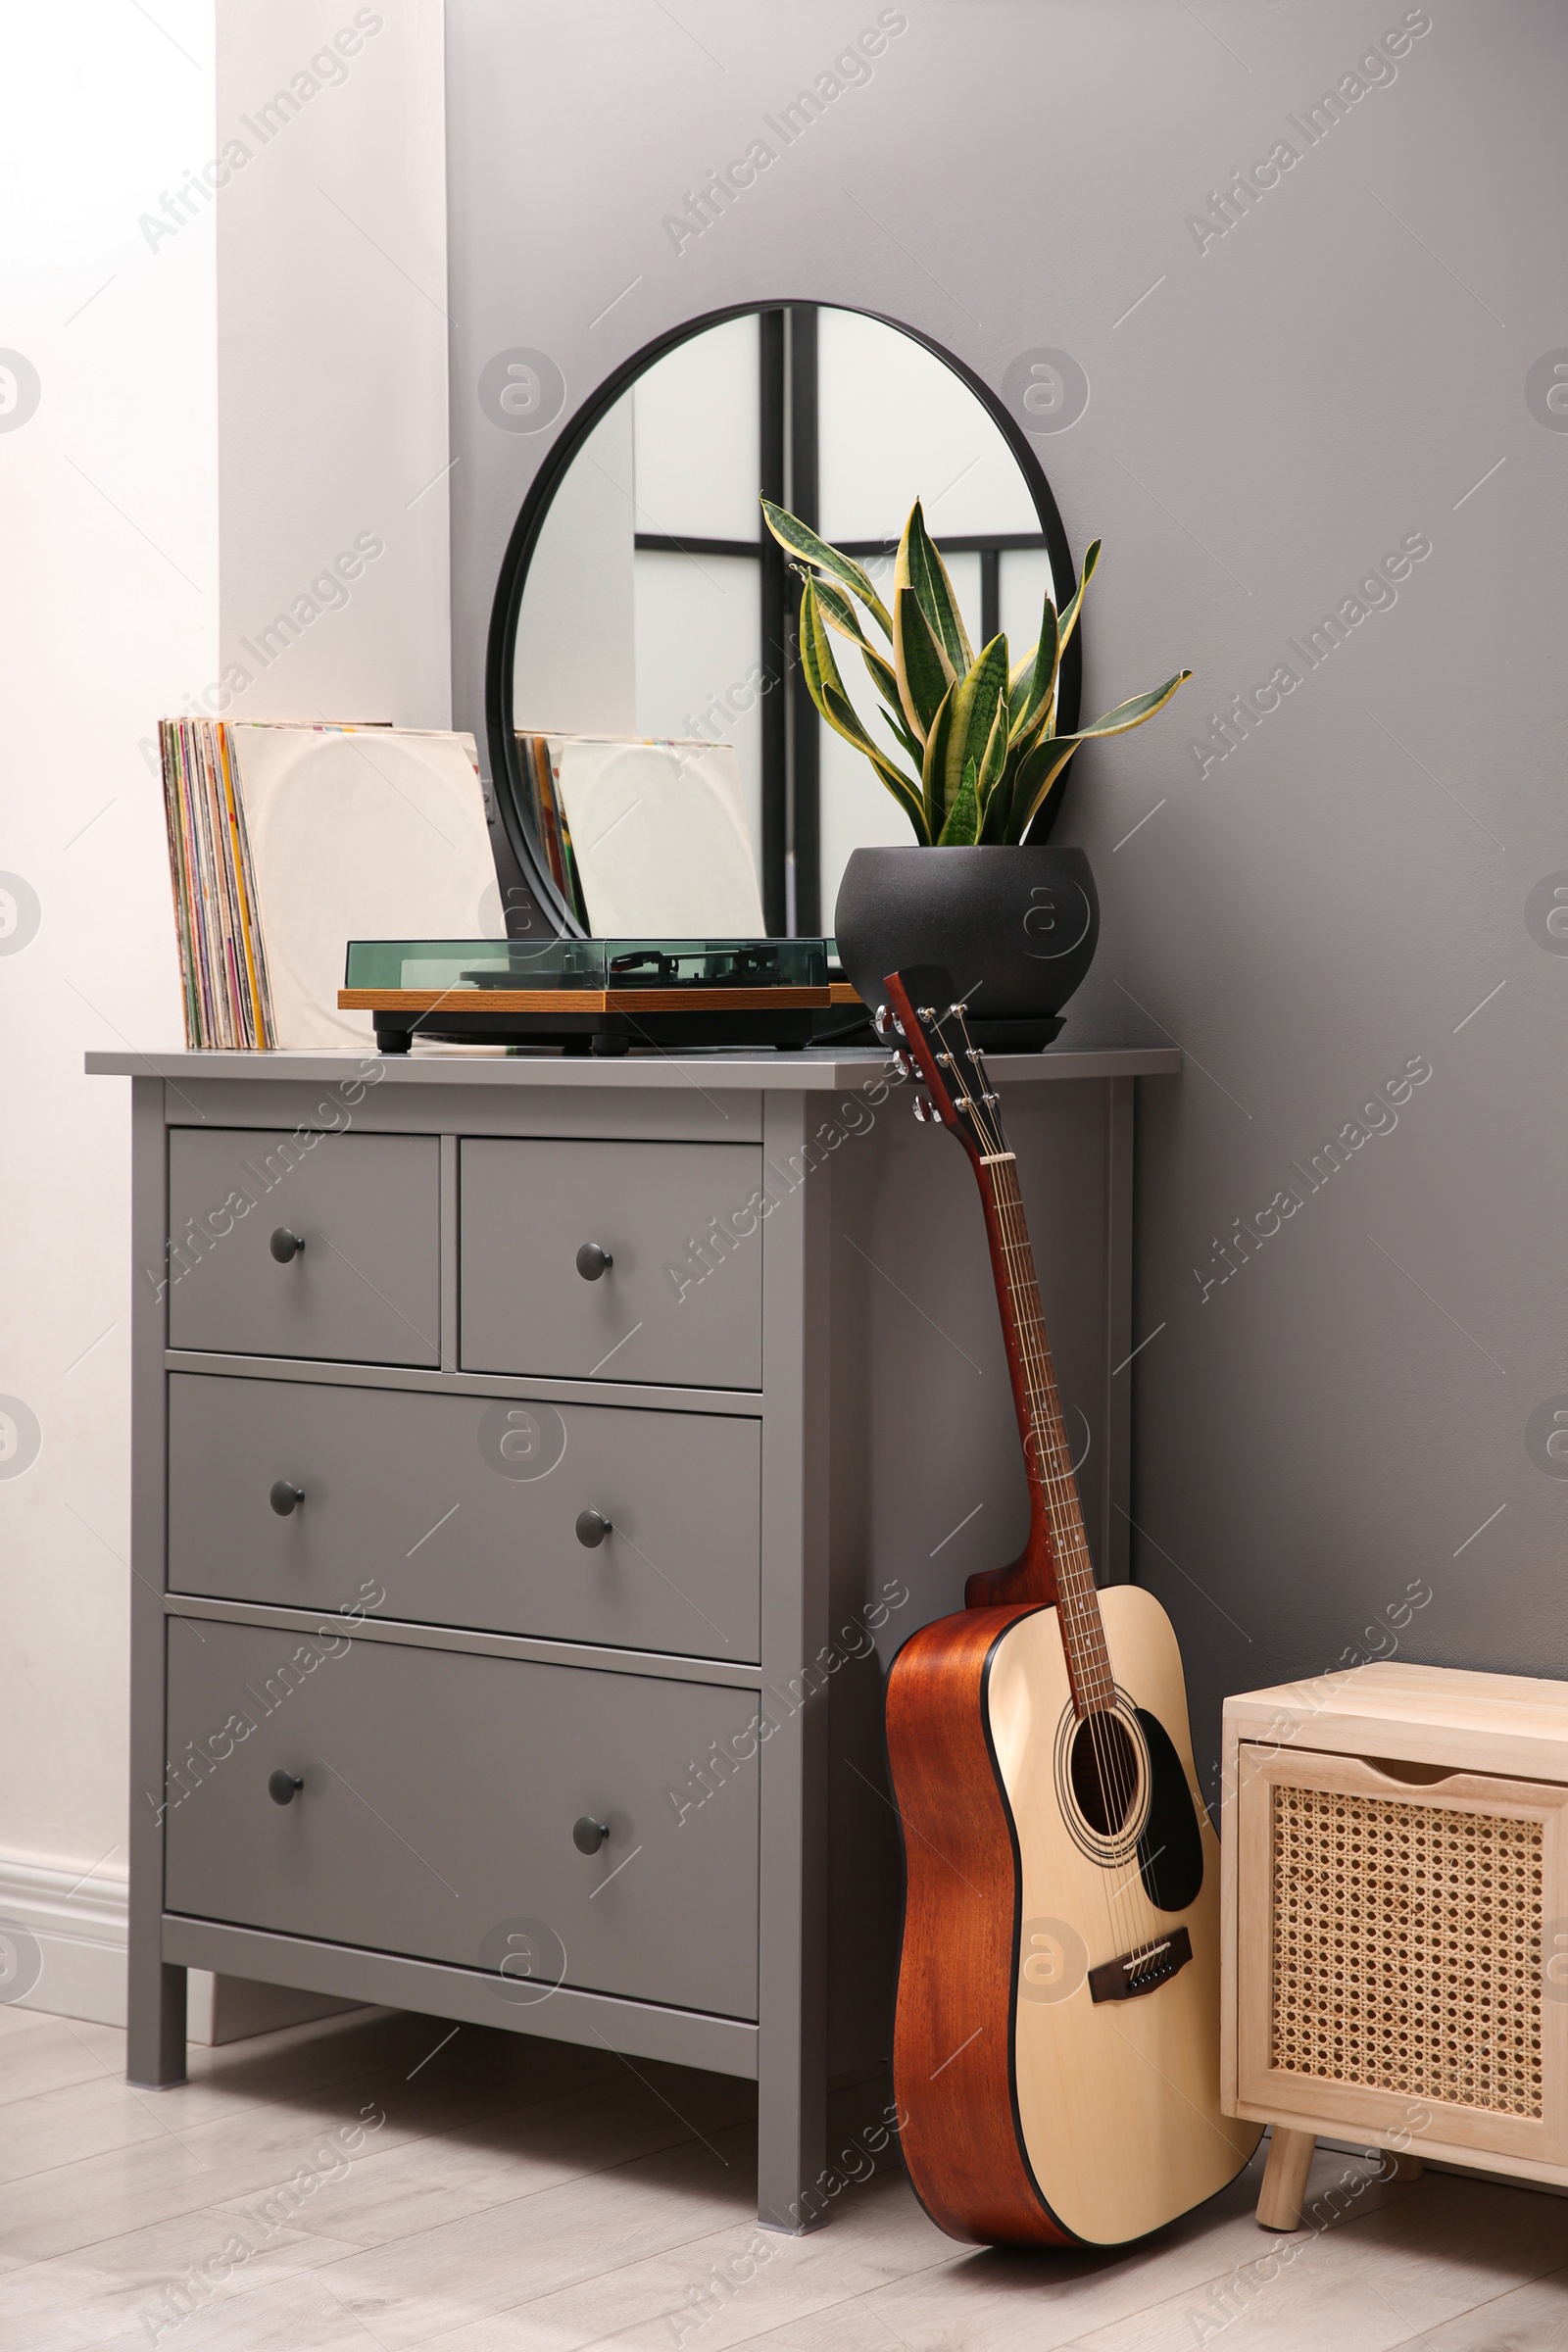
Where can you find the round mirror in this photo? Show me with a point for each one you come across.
(660, 769)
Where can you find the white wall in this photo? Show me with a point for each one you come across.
(137, 539)
(108, 616)
(332, 359)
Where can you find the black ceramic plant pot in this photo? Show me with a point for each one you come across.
(1015, 927)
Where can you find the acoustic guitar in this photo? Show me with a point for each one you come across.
(1057, 2036)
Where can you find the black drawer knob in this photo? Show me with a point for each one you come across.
(592, 1261)
(281, 1785)
(285, 1496)
(285, 1245)
(592, 1529)
(588, 1835)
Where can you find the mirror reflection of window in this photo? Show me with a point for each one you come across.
(654, 608)
(697, 559)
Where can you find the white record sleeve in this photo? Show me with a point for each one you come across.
(359, 833)
(659, 836)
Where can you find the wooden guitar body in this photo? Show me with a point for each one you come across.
(1031, 2112)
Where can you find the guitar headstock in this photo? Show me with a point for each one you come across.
(929, 1030)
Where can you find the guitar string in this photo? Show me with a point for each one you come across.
(1103, 1723)
(1112, 1758)
(1090, 1668)
(1087, 1656)
(1061, 1488)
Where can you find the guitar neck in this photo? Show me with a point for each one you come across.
(1058, 1548)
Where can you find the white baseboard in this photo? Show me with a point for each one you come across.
(77, 1920)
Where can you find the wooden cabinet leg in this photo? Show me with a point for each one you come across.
(1290, 2160)
(1399, 2166)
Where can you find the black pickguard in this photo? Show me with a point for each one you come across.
(1170, 1851)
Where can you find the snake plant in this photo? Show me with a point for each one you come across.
(980, 736)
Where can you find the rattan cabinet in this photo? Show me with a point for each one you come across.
(1396, 1920)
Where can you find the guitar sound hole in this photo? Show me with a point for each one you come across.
(1105, 1771)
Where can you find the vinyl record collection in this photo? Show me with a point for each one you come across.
(223, 960)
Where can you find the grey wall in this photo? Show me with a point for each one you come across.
(1271, 410)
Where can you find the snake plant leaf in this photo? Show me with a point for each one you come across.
(975, 700)
(893, 715)
(995, 826)
(963, 817)
(1074, 606)
(1033, 685)
(993, 781)
(885, 678)
(800, 540)
(1037, 774)
(934, 765)
(920, 567)
(1041, 767)
(924, 672)
(839, 613)
(826, 689)
(969, 729)
(1031, 698)
(837, 610)
(994, 760)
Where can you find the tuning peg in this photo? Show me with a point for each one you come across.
(882, 1019)
(926, 1111)
(904, 1063)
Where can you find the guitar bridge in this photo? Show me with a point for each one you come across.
(1140, 1971)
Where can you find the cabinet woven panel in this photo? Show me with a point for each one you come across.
(1407, 1942)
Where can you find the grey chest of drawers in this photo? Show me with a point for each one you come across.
(535, 1464)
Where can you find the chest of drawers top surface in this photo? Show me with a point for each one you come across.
(817, 1070)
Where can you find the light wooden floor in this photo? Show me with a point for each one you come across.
(520, 2195)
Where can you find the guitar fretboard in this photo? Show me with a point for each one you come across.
(1083, 1632)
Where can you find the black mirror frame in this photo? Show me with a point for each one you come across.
(505, 766)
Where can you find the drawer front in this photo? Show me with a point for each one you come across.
(529, 1208)
(464, 1512)
(436, 1815)
(365, 1288)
